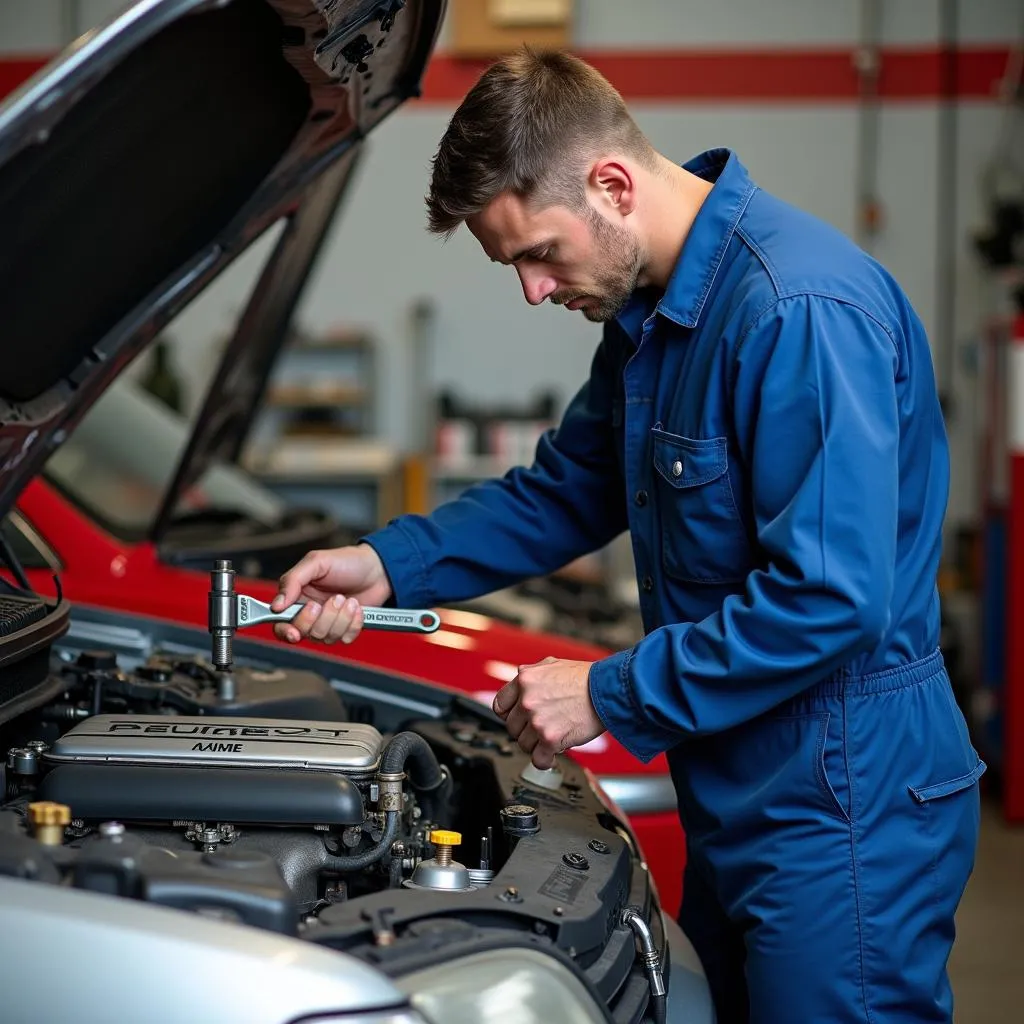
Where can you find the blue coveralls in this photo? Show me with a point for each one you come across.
(769, 432)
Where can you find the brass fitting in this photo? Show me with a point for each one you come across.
(390, 791)
(48, 821)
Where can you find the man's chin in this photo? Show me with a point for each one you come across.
(603, 311)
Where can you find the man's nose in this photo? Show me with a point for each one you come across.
(536, 286)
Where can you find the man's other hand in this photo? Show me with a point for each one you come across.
(547, 708)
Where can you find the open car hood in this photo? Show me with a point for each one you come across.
(139, 164)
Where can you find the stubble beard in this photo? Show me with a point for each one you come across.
(620, 262)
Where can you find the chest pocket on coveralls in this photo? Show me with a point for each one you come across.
(702, 535)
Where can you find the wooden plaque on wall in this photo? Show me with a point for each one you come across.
(487, 28)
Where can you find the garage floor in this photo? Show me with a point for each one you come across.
(987, 965)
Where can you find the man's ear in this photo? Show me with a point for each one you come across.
(614, 185)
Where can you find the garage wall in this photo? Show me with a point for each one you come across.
(488, 343)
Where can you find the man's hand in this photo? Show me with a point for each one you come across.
(336, 584)
(547, 708)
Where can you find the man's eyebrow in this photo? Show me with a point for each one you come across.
(534, 250)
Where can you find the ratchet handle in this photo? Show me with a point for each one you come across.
(400, 620)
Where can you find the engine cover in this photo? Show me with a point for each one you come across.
(104, 792)
(350, 749)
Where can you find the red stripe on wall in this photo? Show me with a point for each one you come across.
(763, 76)
(727, 76)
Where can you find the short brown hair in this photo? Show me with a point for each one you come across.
(526, 127)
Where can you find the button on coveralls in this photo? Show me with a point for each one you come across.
(777, 405)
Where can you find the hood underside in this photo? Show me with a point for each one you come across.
(145, 159)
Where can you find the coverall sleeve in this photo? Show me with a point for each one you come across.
(816, 414)
(530, 522)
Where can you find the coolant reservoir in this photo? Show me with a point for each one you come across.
(545, 778)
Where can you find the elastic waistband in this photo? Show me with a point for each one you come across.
(847, 683)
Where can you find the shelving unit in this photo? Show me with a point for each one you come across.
(324, 385)
(315, 443)
(474, 443)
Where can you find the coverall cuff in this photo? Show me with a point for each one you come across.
(404, 563)
(613, 700)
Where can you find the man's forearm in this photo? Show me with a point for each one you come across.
(528, 523)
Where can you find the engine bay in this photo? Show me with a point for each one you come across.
(315, 808)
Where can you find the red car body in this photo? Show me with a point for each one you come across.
(470, 653)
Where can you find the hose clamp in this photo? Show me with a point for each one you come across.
(390, 790)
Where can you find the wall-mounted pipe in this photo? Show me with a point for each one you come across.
(944, 336)
(70, 20)
(867, 60)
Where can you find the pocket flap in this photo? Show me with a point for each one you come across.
(684, 462)
(926, 793)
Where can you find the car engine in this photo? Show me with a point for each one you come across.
(372, 814)
(264, 820)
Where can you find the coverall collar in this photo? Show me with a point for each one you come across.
(706, 244)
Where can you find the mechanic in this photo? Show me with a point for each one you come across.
(762, 416)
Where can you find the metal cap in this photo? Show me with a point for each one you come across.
(520, 819)
(22, 761)
(46, 812)
(442, 837)
(48, 820)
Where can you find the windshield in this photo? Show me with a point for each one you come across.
(120, 460)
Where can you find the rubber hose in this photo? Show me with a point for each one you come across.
(410, 753)
(395, 873)
(359, 861)
(659, 1010)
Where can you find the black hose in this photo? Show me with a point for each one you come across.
(395, 873)
(410, 753)
(359, 861)
(659, 1009)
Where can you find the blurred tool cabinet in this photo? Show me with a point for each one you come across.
(314, 441)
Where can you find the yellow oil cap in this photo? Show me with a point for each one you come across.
(45, 812)
(442, 837)
(48, 821)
